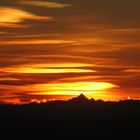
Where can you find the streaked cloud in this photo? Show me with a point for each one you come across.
(12, 16)
(8, 79)
(132, 70)
(33, 42)
(58, 65)
(33, 70)
(93, 89)
(12, 25)
(51, 68)
(39, 101)
(11, 101)
(78, 87)
(69, 42)
(47, 4)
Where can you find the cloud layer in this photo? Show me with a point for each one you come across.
(69, 41)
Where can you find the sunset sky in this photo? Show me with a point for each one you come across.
(50, 49)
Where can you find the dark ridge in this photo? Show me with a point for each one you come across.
(80, 115)
(79, 99)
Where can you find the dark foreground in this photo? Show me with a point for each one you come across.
(78, 116)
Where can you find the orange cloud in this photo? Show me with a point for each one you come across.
(11, 101)
(61, 70)
(58, 65)
(45, 4)
(51, 68)
(12, 25)
(72, 88)
(132, 70)
(12, 16)
(32, 42)
(38, 101)
(8, 79)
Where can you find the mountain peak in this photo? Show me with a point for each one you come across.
(81, 98)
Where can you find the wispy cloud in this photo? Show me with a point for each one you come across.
(12, 101)
(32, 42)
(47, 4)
(69, 41)
(133, 70)
(33, 70)
(51, 68)
(11, 17)
(72, 88)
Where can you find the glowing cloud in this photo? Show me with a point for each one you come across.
(73, 45)
(13, 15)
(51, 68)
(60, 70)
(32, 42)
(132, 70)
(58, 65)
(8, 79)
(72, 88)
(12, 25)
(45, 4)
(38, 101)
(12, 101)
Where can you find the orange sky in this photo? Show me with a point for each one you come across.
(59, 49)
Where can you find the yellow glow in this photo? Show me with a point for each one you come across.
(32, 42)
(39, 101)
(58, 65)
(89, 86)
(72, 88)
(96, 90)
(81, 78)
(13, 15)
(45, 4)
(51, 68)
(34, 70)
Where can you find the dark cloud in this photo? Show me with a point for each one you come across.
(126, 56)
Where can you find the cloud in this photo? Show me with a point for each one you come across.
(103, 38)
(50, 68)
(60, 70)
(10, 17)
(132, 70)
(8, 79)
(38, 101)
(124, 56)
(34, 42)
(47, 4)
(12, 25)
(73, 88)
(2, 33)
(11, 101)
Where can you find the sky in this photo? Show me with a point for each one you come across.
(56, 49)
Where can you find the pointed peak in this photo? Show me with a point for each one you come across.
(80, 98)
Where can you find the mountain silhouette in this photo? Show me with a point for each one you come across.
(79, 99)
(78, 115)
